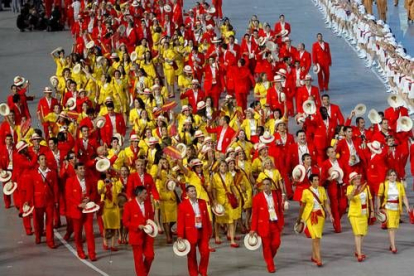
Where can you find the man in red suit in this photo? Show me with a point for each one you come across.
(268, 221)
(6, 163)
(335, 188)
(393, 113)
(8, 127)
(307, 92)
(115, 123)
(224, 133)
(194, 95)
(80, 190)
(287, 50)
(43, 195)
(213, 80)
(358, 131)
(194, 224)
(141, 178)
(298, 149)
(136, 213)
(279, 27)
(274, 95)
(47, 103)
(384, 132)
(85, 148)
(304, 58)
(321, 55)
(334, 112)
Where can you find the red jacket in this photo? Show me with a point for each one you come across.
(107, 129)
(274, 100)
(74, 195)
(303, 95)
(392, 114)
(191, 98)
(5, 156)
(133, 218)
(134, 181)
(186, 221)
(43, 192)
(260, 214)
(321, 56)
(44, 108)
(293, 156)
(335, 115)
(88, 153)
(305, 60)
(228, 136)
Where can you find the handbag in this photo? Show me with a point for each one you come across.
(231, 197)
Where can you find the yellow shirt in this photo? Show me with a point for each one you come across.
(355, 206)
(383, 191)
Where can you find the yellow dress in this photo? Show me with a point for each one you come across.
(119, 162)
(149, 68)
(246, 146)
(260, 91)
(358, 216)
(169, 71)
(244, 187)
(393, 210)
(273, 174)
(60, 64)
(111, 215)
(311, 206)
(168, 199)
(121, 95)
(230, 215)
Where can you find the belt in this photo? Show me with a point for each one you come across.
(393, 201)
(273, 221)
(364, 206)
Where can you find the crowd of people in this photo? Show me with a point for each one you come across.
(159, 121)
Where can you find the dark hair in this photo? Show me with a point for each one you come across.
(312, 176)
(299, 131)
(16, 98)
(327, 148)
(190, 186)
(139, 189)
(346, 128)
(78, 164)
(42, 154)
(358, 119)
(54, 139)
(227, 119)
(325, 96)
(305, 155)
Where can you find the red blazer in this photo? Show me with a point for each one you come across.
(43, 107)
(278, 27)
(336, 114)
(6, 129)
(394, 160)
(106, 131)
(281, 152)
(303, 95)
(191, 98)
(133, 218)
(43, 193)
(134, 181)
(325, 172)
(305, 60)
(74, 196)
(228, 136)
(260, 214)
(186, 221)
(321, 56)
(293, 156)
(23, 165)
(392, 114)
(285, 52)
(343, 150)
(85, 154)
(4, 156)
(208, 79)
(273, 100)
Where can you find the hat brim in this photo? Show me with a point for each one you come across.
(252, 247)
(376, 151)
(182, 253)
(7, 178)
(298, 228)
(302, 171)
(28, 213)
(267, 140)
(11, 191)
(93, 210)
(154, 226)
(213, 209)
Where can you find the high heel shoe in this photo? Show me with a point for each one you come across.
(394, 251)
(105, 247)
(362, 255)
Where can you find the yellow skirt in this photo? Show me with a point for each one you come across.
(111, 218)
(315, 230)
(359, 225)
(393, 219)
(228, 215)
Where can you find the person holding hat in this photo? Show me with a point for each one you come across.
(194, 95)
(350, 151)
(307, 92)
(6, 164)
(243, 82)
(321, 54)
(391, 198)
(335, 187)
(268, 222)
(375, 170)
(141, 178)
(42, 193)
(394, 112)
(314, 209)
(47, 103)
(305, 60)
(224, 133)
(114, 123)
(79, 190)
(194, 225)
(360, 211)
(263, 154)
(213, 80)
(136, 213)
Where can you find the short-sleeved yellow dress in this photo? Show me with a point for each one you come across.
(314, 214)
(111, 215)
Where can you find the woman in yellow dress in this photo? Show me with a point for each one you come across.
(260, 89)
(148, 65)
(360, 210)
(269, 171)
(223, 183)
(169, 56)
(109, 188)
(168, 199)
(243, 143)
(391, 196)
(121, 94)
(58, 56)
(313, 212)
(250, 125)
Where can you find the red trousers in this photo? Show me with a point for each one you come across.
(39, 223)
(271, 244)
(323, 77)
(7, 199)
(339, 202)
(85, 221)
(203, 248)
(241, 99)
(143, 256)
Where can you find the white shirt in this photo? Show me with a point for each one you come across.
(393, 194)
(363, 198)
(83, 185)
(221, 138)
(271, 207)
(301, 151)
(316, 205)
(197, 213)
(142, 207)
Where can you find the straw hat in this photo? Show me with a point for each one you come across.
(9, 188)
(308, 77)
(100, 121)
(201, 105)
(185, 108)
(151, 229)
(102, 165)
(5, 176)
(18, 80)
(153, 141)
(300, 118)
(404, 123)
(47, 89)
(167, 8)
(216, 40)
(76, 69)
(395, 101)
(4, 109)
(277, 78)
(182, 248)
(375, 147)
(286, 205)
(195, 162)
(299, 227)
(182, 148)
(352, 175)
(187, 69)
(252, 242)
(21, 145)
(91, 207)
(271, 46)
(35, 136)
(211, 10)
(336, 173)
(381, 216)
(71, 103)
(198, 134)
(90, 44)
(218, 210)
(267, 138)
(27, 210)
(309, 107)
(360, 109)
(261, 146)
(299, 173)
(374, 117)
(284, 32)
(171, 185)
(134, 138)
(54, 81)
(316, 68)
(120, 139)
(134, 56)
